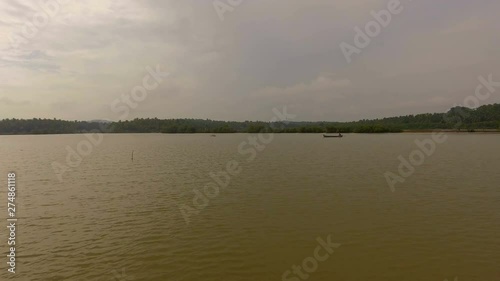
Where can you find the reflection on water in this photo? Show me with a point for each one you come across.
(116, 219)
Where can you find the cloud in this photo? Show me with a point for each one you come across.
(36, 60)
(324, 86)
(263, 54)
(10, 102)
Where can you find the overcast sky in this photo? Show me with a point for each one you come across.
(241, 63)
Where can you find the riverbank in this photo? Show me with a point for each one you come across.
(475, 131)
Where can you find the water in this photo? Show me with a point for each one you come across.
(112, 218)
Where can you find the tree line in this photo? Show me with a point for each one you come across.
(457, 118)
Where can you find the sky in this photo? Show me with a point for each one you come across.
(239, 59)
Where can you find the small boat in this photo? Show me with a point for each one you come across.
(333, 136)
(213, 135)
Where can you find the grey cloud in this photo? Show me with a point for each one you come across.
(264, 54)
(18, 9)
(10, 102)
(35, 60)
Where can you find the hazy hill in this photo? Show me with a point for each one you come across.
(457, 118)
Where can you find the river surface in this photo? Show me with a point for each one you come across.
(111, 218)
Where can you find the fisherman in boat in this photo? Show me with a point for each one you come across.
(340, 135)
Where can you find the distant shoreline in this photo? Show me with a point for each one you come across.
(476, 131)
(426, 131)
(484, 119)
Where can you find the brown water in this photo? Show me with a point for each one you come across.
(116, 219)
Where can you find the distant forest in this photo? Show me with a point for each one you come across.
(457, 118)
